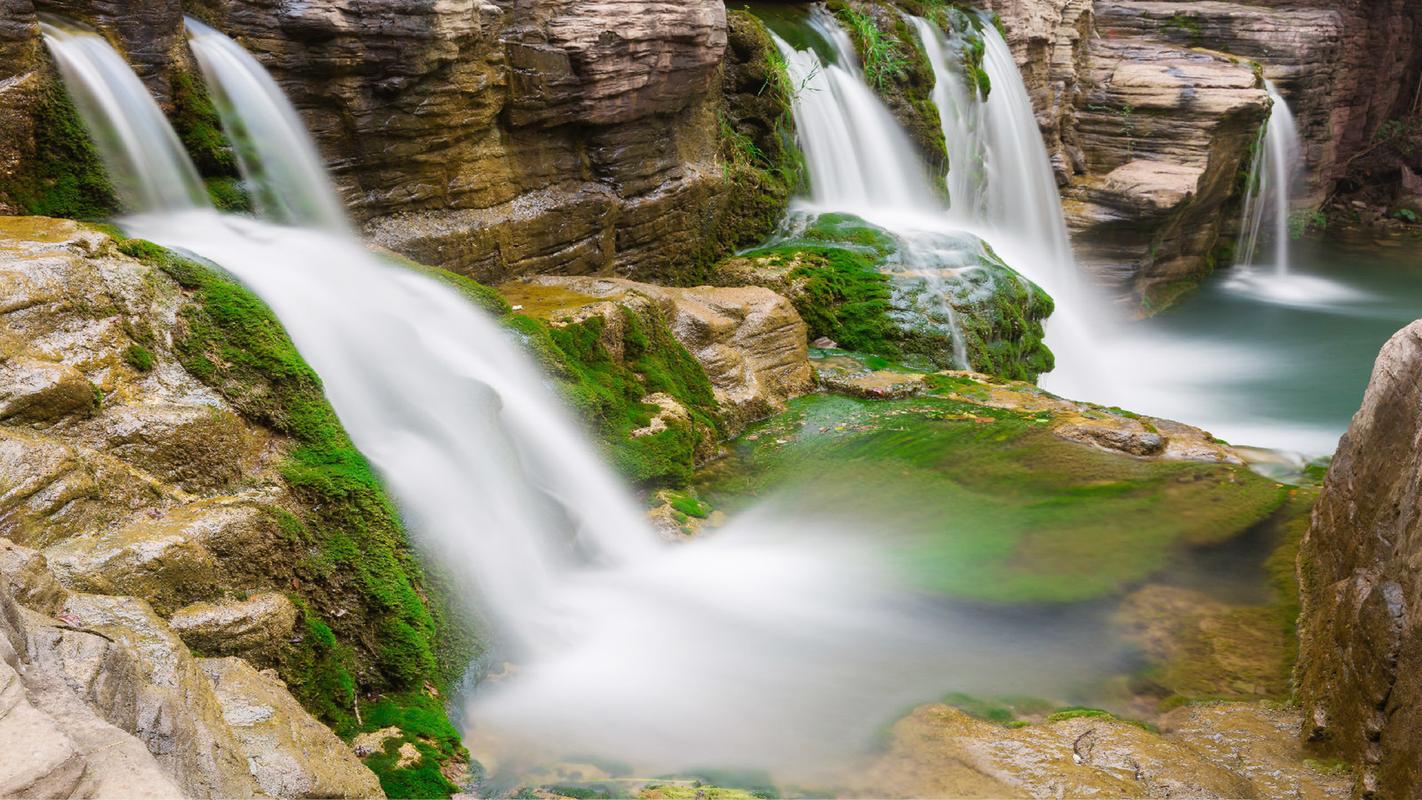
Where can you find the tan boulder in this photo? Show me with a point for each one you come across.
(40, 390)
(289, 753)
(26, 576)
(254, 627)
(179, 716)
(199, 447)
(751, 341)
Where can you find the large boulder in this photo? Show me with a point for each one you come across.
(1360, 571)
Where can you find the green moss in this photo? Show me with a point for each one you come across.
(200, 128)
(64, 177)
(423, 723)
(228, 194)
(139, 357)
(990, 504)
(689, 505)
(230, 340)
(610, 394)
(484, 297)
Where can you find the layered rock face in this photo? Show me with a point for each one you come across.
(511, 137)
(1148, 110)
(123, 476)
(1360, 655)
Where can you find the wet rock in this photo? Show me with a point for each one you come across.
(1360, 670)
(289, 753)
(26, 576)
(1122, 435)
(197, 447)
(256, 626)
(35, 390)
(51, 728)
(1201, 648)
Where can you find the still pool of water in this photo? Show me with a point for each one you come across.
(1273, 360)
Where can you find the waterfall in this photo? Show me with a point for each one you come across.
(1272, 178)
(146, 162)
(858, 157)
(779, 641)
(276, 155)
(1001, 187)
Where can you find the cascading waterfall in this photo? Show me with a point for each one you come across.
(282, 167)
(1272, 178)
(858, 157)
(147, 164)
(774, 644)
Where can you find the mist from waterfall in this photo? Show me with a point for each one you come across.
(1273, 177)
(783, 642)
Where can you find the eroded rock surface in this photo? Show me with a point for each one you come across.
(750, 341)
(1360, 658)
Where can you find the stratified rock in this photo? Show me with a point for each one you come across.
(178, 714)
(750, 341)
(1125, 436)
(289, 753)
(257, 626)
(55, 742)
(24, 573)
(1360, 633)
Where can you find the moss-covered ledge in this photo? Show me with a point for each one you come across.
(379, 643)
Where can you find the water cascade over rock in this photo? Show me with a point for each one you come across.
(795, 646)
(1273, 176)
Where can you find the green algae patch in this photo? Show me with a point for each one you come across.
(982, 503)
(375, 630)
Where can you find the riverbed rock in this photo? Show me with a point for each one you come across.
(751, 341)
(1225, 751)
(260, 624)
(1360, 666)
(289, 753)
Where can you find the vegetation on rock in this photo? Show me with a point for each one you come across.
(65, 178)
(403, 638)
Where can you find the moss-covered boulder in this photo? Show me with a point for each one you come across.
(212, 471)
(943, 300)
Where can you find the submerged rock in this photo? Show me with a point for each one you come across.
(1223, 751)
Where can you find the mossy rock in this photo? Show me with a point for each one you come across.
(989, 503)
(931, 300)
(63, 176)
(377, 631)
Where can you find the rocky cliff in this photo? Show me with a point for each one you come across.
(1148, 109)
(1360, 656)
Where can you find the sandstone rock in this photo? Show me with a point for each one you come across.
(1122, 435)
(289, 753)
(1360, 666)
(937, 751)
(172, 558)
(252, 627)
(373, 741)
(56, 743)
(34, 390)
(178, 714)
(198, 447)
(750, 341)
(27, 578)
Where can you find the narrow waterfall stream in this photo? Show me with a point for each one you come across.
(781, 643)
(1272, 178)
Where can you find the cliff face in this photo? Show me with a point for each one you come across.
(1149, 108)
(494, 138)
(1360, 570)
